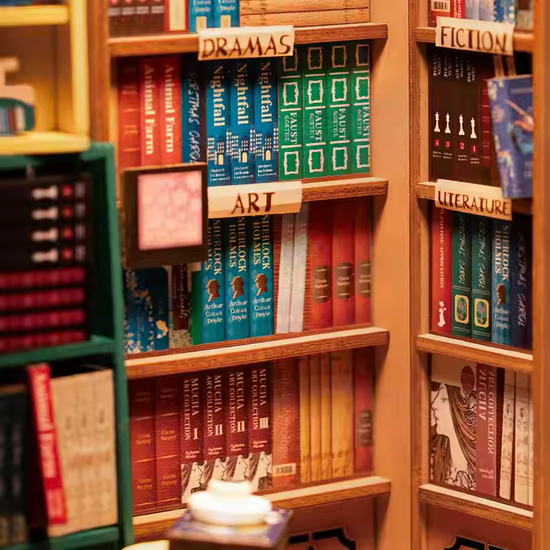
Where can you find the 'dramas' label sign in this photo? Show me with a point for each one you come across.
(245, 42)
(476, 36)
(481, 200)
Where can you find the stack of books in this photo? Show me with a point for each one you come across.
(276, 425)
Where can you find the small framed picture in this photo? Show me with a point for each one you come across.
(166, 215)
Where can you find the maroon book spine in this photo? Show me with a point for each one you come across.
(363, 236)
(442, 271)
(214, 428)
(149, 93)
(363, 400)
(458, 9)
(448, 122)
(473, 119)
(170, 103)
(129, 129)
(437, 116)
(438, 8)
(156, 16)
(459, 120)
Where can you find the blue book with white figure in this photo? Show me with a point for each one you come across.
(501, 287)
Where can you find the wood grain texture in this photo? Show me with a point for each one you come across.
(43, 143)
(16, 16)
(258, 7)
(271, 348)
(326, 189)
(468, 350)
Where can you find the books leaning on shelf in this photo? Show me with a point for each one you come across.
(275, 424)
(481, 429)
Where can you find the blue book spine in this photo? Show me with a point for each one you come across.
(509, 11)
(217, 123)
(512, 116)
(201, 14)
(226, 13)
(499, 10)
(266, 124)
(262, 308)
(237, 289)
(521, 282)
(500, 324)
(213, 286)
(242, 123)
(192, 103)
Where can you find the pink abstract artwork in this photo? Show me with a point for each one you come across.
(169, 210)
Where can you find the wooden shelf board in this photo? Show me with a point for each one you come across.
(43, 143)
(475, 505)
(20, 16)
(472, 351)
(270, 349)
(83, 539)
(426, 190)
(155, 525)
(523, 41)
(343, 188)
(184, 43)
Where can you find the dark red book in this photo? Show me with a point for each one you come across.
(459, 121)
(437, 116)
(447, 122)
(363, 237)
(142, 21)
(236, 422)
(156, 16)
(150, 69)
(486, 70)
(167, 441)
(129, 123)
(343, 268)
(363, 400)
(442, 271)
(320, 264)
(473, 119)
(141, 400)
(214, 427)
(458, 9)
(129, 18)
(42, 299)
(115, 18)
(170, 111)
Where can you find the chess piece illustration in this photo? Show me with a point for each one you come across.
(442, 309)
(461, 131)
(473, 135)
(448, 121)
(437, 129)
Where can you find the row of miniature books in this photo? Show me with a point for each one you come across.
(481, 436)
(58, 465)
(481, 126)
(306, 271)
(253, 120)
(481, 277)
(162, 16)
(516, 12)
(274, 424)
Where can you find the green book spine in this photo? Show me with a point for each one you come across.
(482, 259)
(462, 274)
(360, 111)
(315, 110)
(196, 307)
(339, 110)
(291, 116)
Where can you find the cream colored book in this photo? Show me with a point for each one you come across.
(326, 418)
(521, 450)
(531, 445)
(507, 440)
(285, 274)
(315, 416)
(305, 439)
(261, 7)
(307, 19)
(297, 300)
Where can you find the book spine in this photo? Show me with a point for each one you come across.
(459, 125)
(462, 274)
(363, 399)
(487, 10)
(446, 119)
(521, 444)
(472, 9)
(360, 111)
(363, 278)
(150, 104)
(305, 417)
(226, 13)
(458, 9)
(170, 111)
(266, 127)
(482, 251)
(214, 428)
(218, 121)
(213, 286)
(326, 416)
(507, 438)
(436, 116)
(196, 305)
(486, 133)
(157, 16)
(315, 416)
(285, 274)
(167, 441)
(320, 264)
(473, 116)
(531, 447)
(242, 122)
(439, 8)
(129, 124)
(315, 110)
(201, 14)
(180, 310)
(285, 424)
(343, 269)
(500, 322)
(116, 21)
(260, 241)
(140, 23)
(192, 109)
(291, 117)
(524, 15)
(502, 7)
(303, 19)
(237, 287)
(298, 292)
(175, 16)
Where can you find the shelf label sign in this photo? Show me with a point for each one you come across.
(255, 199)
(481, 200)
(475, 36)
(245, 42)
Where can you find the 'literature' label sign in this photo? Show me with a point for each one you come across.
(476, 36)
(255, 199)
(245, 42)
(481, 200)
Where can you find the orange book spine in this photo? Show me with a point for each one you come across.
(326, 417)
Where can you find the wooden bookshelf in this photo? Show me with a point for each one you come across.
(227, 354)
(185, 43)
(467, 350)
(43, 143)
(16, 16)
(347, 188)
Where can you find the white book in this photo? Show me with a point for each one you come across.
(299, 271)
(472, 9)
(487, 10)
(507, 441)
(531, 445)
(285, 274)
(521, 451)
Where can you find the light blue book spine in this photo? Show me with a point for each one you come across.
(201, 14)
(213, 286)
(242, 123)
(226, 13)
(509, 9)
(237, 289)
(487, 10)
(501, 300)
(266, 125)
(192, 102)
(262, 308)
(499, 10)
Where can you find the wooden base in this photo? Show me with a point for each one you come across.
(16, 16)
(43, 143)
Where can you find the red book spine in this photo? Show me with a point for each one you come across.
(214, 428)
(129, 131)
(142, 439)
(48, 451)
(41, 340)
(442, 250)
(156, 17)
(363, 405)
(149, 92)
(363, 236)
(286, 451)
(45, 320)
(487, 133)
(42, 278)
(42, 299)
(458, 9)
(343, 257)
(170, 104)
(320, 264)
(167, 441)
(486, 430)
